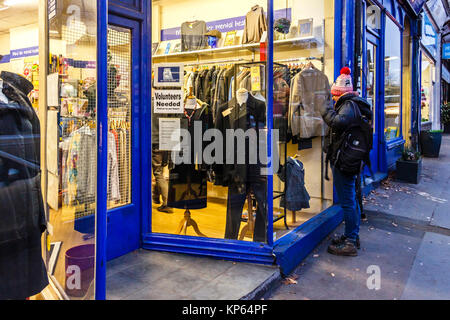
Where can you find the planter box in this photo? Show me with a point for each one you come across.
(430, 143)
(408, 171)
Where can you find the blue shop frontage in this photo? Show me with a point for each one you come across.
(124, 75)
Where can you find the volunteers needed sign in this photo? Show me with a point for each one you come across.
(168, 101)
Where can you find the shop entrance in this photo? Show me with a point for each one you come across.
(123, 136)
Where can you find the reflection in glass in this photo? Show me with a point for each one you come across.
(72, 148)
(392, 81)
(371, 78)
(426, 88)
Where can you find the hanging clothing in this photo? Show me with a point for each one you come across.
(296, 196)
(193, 36)
(113, 169)
(310, 92)
(255, 25)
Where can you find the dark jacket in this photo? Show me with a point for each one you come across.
(22, 271)
(341, 117)
(251, 115)
(296, 197)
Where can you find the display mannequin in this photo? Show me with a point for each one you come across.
(188, 179)
(244, 112)
(22, 216)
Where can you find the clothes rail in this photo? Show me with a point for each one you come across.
(301, 59)
(214, 62)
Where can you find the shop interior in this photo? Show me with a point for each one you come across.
(227, 43)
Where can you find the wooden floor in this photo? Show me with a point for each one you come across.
(211, 221)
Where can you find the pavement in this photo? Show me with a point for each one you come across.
(405, 246)
(405, 254)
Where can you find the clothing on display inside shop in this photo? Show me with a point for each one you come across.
(293, 175)
(193, 36)
(188, 180)
(22, 215)
(255, 25)
(310, 91)
(243, 178)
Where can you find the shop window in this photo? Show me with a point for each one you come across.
(209, 72)
(303, 70)
(426, 90)
(392, 81)
(71, 153)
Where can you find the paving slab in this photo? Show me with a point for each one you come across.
(429, 278)
(152, 275)
(322, 276)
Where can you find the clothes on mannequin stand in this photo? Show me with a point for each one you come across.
(241, 179)
(188, 180)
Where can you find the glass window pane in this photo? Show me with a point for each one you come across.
(71, 122)
(427, 86)
(303, 73)
(222, 87)
(392, 81)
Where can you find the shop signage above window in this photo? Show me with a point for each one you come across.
(224, 25)
(446, 51)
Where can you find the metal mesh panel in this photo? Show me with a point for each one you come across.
(119, 116)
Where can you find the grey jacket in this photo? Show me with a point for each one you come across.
(310, 93)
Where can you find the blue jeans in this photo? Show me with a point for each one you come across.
(345, 188)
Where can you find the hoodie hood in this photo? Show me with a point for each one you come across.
(364, 106)
(17, 82)
(16, 89)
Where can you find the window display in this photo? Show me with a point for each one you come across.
(217, 175)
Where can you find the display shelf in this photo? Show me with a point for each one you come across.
(251, 47)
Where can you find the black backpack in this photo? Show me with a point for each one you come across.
(352, 148)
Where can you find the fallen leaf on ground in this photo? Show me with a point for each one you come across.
(289, 280)
(333, 275)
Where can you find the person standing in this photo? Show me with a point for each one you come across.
(347, 145)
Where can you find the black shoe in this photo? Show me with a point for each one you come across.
(363, 217)
(347, 248)
(340, 240)
(165, 209)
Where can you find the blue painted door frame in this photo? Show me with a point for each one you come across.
(124, 223)
(136, 15)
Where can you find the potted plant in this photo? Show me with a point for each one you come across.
(445, 116)
(409, 166)
(430, 142)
